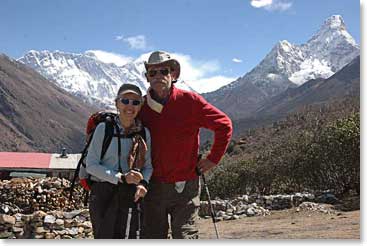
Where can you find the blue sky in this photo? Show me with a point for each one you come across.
(224, 38)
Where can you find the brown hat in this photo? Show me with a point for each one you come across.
(160, 57)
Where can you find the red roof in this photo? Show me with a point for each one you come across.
(24, 160)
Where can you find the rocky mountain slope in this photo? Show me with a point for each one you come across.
(37, 115)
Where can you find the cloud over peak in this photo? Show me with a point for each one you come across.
(137, 42)
(272, 5)
(110, 57)
(236, 60)
(260, 3)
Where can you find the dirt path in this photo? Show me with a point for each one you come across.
(287, 224)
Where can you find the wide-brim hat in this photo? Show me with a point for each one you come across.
(161, 57)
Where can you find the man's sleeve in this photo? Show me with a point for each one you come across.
(212, 118)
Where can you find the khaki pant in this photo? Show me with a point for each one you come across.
(163, 199)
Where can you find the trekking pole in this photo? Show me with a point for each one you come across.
(139, 225)
(127, 232)
(209, 200)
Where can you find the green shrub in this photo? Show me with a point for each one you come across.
(306, 159)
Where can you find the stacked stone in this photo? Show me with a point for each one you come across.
(26, 195)
(6, 226)
(311, 206)
(52, 225)
(253, 205)
(225, 210)
(278, 202)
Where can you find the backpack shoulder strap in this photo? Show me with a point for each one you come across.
(143, 134)
(108, 135)
(109, 131)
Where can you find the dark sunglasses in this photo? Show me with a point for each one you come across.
(152, 73)
(127, 101)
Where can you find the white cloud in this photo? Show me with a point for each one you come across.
(279, 5)
(209, 66)
(135, 42)
(194, 69)
(108, 57)
(236, 60)
(260, 3)
(199, 75)
(210, 84)
(118, 38)
(272, 5)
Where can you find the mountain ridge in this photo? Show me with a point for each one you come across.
(288, 66)
(89, 77)
(35, 114)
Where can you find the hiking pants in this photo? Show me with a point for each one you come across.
(109, 210)
(163, 199)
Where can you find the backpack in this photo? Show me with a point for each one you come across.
(80, 172)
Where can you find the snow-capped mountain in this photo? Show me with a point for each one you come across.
(87, 75)
(97, 79)
(289, 65)
(83, 74)
(329, 50)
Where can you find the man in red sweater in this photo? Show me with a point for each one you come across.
(174, 117)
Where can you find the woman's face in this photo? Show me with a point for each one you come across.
(129, 105)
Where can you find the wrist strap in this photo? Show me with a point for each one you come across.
(122, 179)
(144, 183)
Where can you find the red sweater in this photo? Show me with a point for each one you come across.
(175, 134)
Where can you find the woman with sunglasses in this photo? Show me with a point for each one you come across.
(121, 177)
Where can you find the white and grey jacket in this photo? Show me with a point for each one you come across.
(105, 170)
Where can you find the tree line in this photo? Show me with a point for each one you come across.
(314, 149)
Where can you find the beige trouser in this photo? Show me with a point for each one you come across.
(183, 208)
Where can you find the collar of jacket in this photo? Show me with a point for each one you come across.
(156, 106)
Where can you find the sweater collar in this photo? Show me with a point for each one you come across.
(156, 106)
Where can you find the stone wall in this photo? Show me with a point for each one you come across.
(27, 195)
(40, 208)
(50, 225)
(252, 205)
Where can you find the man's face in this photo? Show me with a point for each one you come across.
(160, 77)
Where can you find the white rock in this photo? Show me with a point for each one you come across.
(250, 212)
(50, 219)
(59, 222)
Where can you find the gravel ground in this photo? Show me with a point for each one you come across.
(287, 224)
